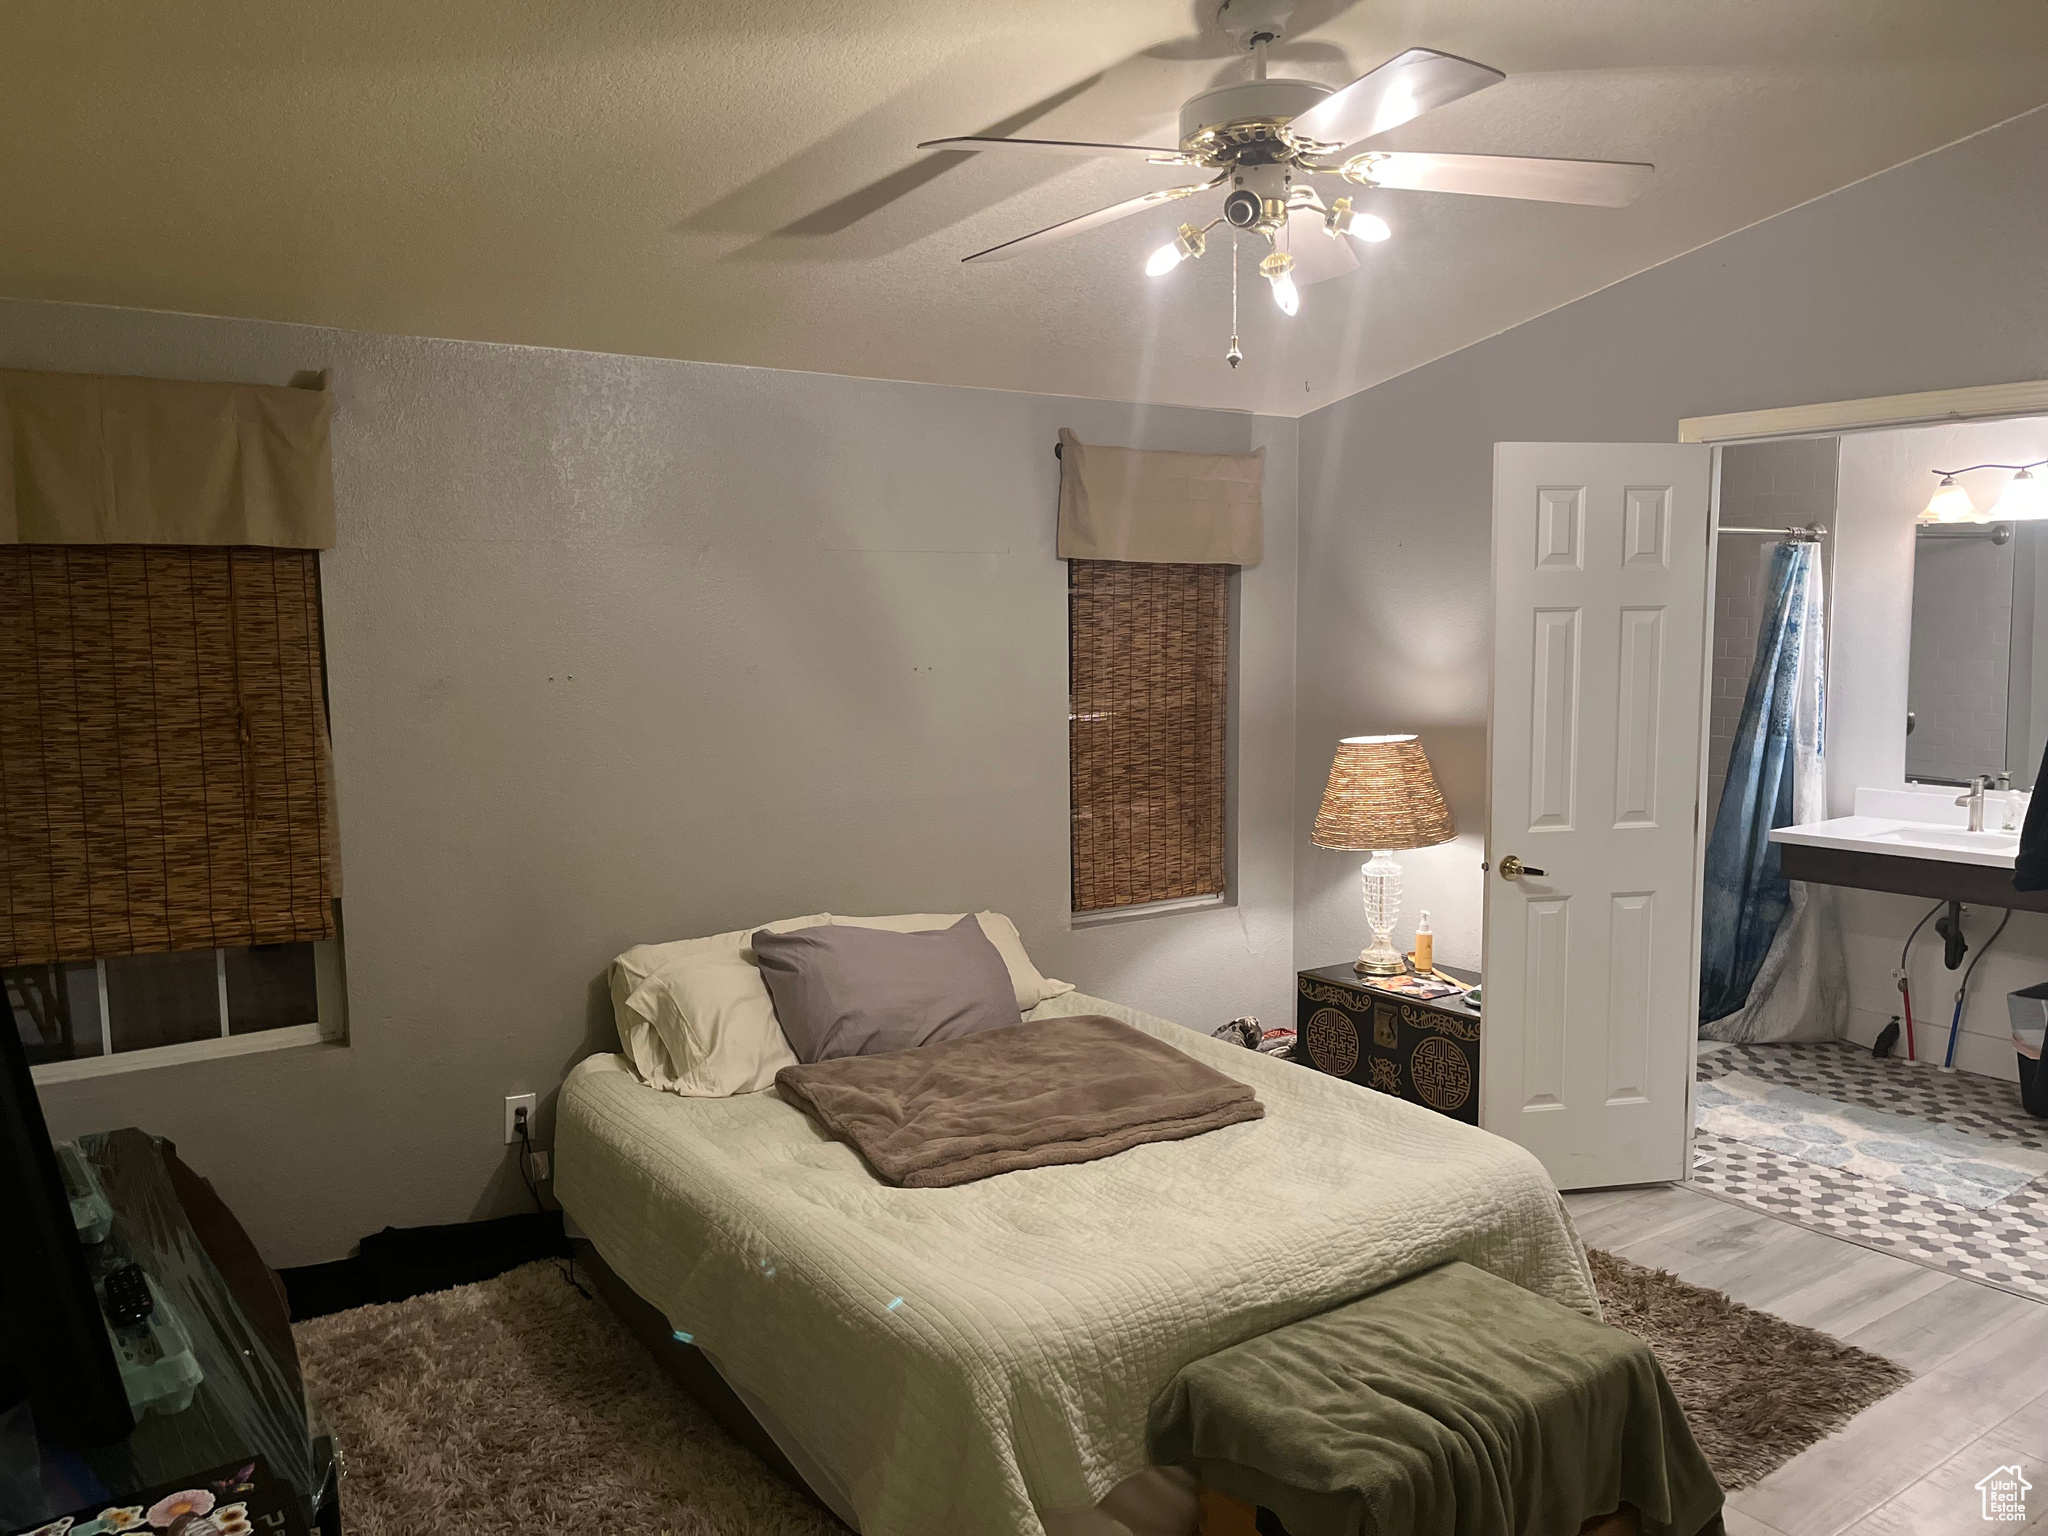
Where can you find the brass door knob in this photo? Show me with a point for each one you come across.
(1512, 868)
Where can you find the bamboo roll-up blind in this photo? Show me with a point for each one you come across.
(164, 770)
(1148, 673)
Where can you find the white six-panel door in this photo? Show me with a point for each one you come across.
(1600, 571)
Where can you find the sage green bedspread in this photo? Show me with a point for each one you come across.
(1451, 1404)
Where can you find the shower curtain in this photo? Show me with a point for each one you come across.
(1771, 964)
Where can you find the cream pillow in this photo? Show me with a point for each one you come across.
(637, 1038)
(1032, 988)
(695, 1016)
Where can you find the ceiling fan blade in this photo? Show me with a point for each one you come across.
(1095, 220)
(1317, 256)
(1404, 87)
(1596, 183)
(1149, 152)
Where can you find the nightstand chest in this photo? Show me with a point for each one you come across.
(1424, 1051)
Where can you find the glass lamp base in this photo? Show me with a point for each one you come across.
(1380, 877)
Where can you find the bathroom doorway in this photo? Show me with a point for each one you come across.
(1936, 676)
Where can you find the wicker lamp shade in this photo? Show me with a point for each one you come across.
(1381, 794)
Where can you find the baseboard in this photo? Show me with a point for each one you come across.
(401, 1262)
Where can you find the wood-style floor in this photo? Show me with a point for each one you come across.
(1907, 1466)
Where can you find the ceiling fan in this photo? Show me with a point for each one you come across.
(1267, 138)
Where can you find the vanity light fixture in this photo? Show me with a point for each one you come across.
(2025, 498)
(1950, 504)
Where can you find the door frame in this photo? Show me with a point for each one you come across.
(1833, 418)
(1701, 823)
(1980, 402)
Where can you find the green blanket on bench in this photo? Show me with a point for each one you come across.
(1450, 1404)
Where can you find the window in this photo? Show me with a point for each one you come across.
(172, 1007)
(1148, 673)
(167, 873)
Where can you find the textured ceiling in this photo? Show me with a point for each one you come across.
(738, 182)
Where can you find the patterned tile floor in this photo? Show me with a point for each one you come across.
(2005, 1244)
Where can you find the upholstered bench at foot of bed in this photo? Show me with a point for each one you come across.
(1449, 1404)
(1222, 1515)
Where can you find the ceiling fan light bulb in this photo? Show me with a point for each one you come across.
(1189, 243)
(2025, 499)
(1343, 219)
(1278, 269)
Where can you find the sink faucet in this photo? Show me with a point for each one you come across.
(1975, 801)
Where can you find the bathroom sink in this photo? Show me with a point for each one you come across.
(1915, 822)
(1921, 836)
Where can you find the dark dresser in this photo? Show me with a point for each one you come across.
(1425, 1052)
(250, 1432)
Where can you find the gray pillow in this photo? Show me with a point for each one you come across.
(864, 991)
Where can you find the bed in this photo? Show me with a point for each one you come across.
(978, 1361)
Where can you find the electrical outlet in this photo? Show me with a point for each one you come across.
(540, 1167)
(514, 1102)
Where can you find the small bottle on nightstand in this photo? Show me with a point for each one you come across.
(1425, 947)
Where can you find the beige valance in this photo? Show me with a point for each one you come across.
(96, 459)
(1141, 504)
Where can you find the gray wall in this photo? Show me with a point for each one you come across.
(629, 650)
(1931, 276)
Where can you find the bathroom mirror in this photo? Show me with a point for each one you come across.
(1977, 689)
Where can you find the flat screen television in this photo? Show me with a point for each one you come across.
(61, 1356)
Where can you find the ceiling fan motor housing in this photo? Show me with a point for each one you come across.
(1250, 21)
(1260, 197)
(1243, 124)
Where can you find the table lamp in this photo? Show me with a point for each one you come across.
(1381, 796)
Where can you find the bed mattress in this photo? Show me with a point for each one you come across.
(971, 1361)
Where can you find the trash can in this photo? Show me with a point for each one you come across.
(2029, 1010)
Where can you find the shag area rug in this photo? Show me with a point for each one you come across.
(1756, 1389)
(517, 1404)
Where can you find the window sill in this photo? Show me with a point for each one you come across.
(1150, 909)
(174, 1055)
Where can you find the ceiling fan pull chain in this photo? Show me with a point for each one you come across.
(1233, 356)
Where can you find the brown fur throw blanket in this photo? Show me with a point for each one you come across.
(1034, 1095)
